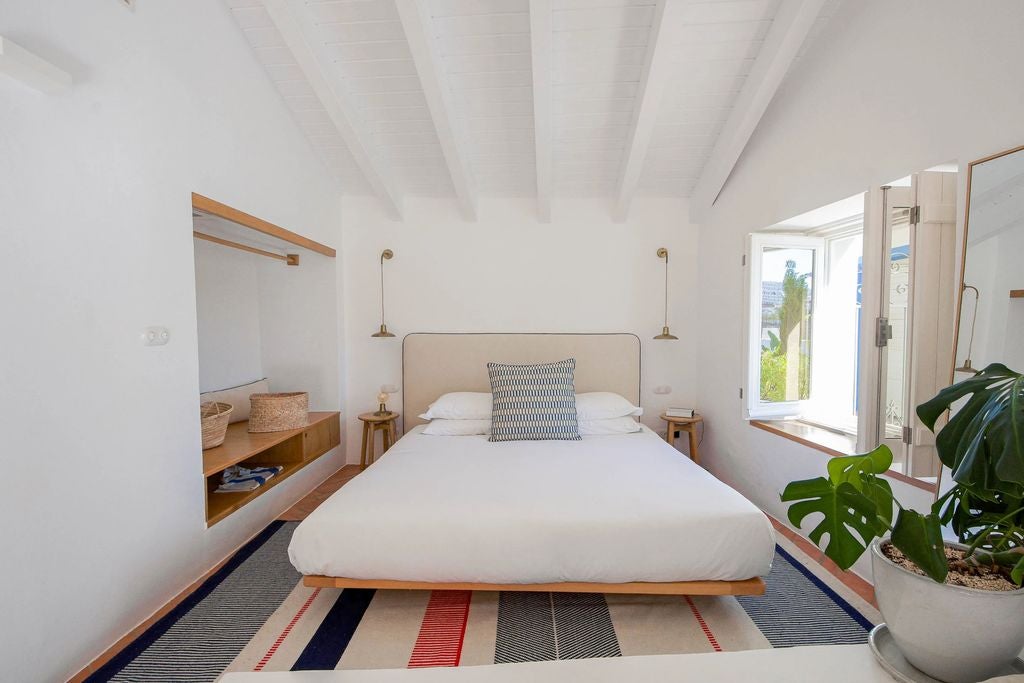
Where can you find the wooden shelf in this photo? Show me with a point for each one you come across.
(240, 445)
(292, 449)
(1017, 293)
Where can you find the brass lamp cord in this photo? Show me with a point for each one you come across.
(663, 252)
(666, 289)
(974, 318)
(386, 254)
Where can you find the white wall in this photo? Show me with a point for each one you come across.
(888, 89)
(299, 326)
(509, 273)
(228, 317)
(101, 491)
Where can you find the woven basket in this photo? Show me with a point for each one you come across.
(214, 418)
(278, 412)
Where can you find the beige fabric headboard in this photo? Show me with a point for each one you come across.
(438, 363)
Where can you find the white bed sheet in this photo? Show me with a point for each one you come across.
(611, 509)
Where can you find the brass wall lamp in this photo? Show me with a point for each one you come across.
(665, 334)
(387, 254)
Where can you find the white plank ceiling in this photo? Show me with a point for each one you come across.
(532, 98)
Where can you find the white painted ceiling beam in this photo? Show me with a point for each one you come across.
(418, 26)
(340, 112)
(33, 71)
(789, 30)
(657, 71)
(540, 52)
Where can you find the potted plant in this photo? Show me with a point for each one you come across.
(955, 610)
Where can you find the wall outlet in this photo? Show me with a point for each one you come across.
(155, 336)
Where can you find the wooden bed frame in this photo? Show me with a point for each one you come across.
(436, 363)
(754, 586)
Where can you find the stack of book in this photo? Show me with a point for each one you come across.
(679, 412)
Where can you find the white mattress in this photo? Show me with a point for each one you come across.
(607, 509)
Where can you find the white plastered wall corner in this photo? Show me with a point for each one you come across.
(104, 504)
(886, 90)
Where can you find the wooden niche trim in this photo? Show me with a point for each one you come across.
(215, 208)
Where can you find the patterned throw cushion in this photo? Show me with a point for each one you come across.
(533, 402)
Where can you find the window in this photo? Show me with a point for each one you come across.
(784, 274)
(834, 373)
(805, 291)
(847, 319)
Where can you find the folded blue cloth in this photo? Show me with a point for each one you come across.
(238, 478)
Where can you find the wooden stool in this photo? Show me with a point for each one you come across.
(373, 423)
(684, 424)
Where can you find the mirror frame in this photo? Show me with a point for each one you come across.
(963, 256)
(963, 272)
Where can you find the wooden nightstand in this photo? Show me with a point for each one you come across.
(373, 423)
(684, 424)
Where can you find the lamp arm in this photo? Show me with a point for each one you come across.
(663, 253)
(974, 319)
(386, 254)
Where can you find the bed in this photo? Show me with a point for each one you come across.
(621, 513)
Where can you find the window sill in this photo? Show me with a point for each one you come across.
(818, 438)
(828, 442)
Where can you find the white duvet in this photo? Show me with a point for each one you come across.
(610, 509)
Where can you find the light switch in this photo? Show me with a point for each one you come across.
(155, 336)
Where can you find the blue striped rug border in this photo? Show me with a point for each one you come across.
(137, 646)
(824, 588)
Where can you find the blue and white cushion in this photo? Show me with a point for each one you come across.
(533, 402)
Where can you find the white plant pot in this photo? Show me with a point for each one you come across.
(952, 633)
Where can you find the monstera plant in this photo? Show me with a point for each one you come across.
(983, 446)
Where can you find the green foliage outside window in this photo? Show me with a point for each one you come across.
(792, 315)
(773, 376)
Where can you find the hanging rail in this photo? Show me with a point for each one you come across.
(290, 259)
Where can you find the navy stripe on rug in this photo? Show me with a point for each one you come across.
(154, 632)
(792, 611)
(328, 644)
(824, 587)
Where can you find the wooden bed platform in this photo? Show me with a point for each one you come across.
(754, 586)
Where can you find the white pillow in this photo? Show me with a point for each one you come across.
(460, 405)
(611, 425)
(441, 427)
(602, 405)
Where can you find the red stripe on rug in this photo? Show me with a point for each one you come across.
(703, 625)
(443, 631)
(287, 629)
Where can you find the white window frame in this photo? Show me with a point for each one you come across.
(846, 228)
(755, 409)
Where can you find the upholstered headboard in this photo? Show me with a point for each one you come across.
(437, 363)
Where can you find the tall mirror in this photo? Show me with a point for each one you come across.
(991, 321)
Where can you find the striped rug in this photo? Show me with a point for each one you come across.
(255, 615)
